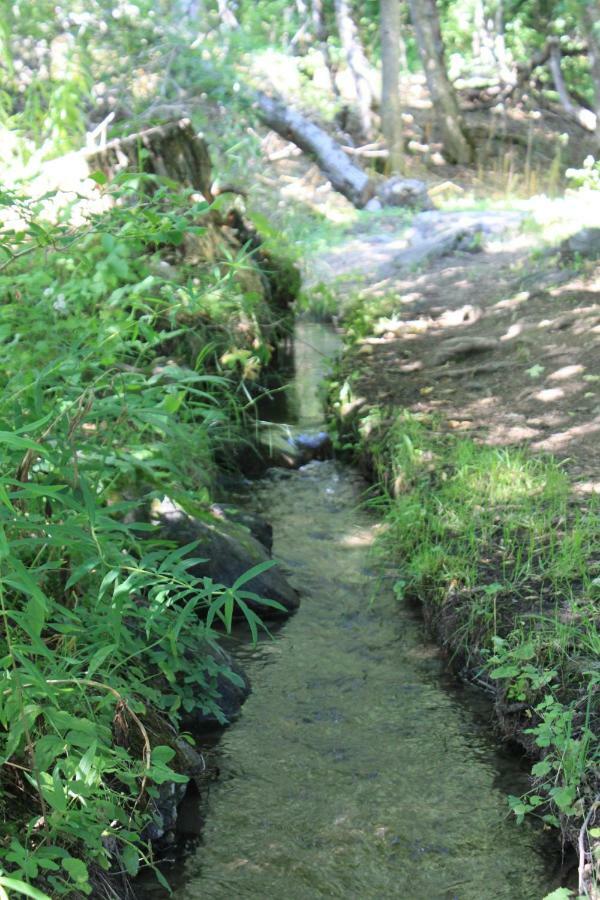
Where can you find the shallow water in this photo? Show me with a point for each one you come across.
(359, 768)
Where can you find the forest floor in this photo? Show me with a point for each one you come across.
(503, 345)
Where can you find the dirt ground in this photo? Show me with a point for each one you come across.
(505, 348)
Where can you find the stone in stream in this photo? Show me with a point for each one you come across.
(225, 551)
(283, 445)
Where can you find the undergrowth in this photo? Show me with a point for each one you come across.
(122, 379)
(507, 567)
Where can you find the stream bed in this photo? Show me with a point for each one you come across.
(359, 768)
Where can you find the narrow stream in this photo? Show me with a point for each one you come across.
(359, 768)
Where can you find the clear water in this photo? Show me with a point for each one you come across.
(359, 768)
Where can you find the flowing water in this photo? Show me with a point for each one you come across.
(359, 768)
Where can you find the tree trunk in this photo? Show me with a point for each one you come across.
(584, 117)
(591, 20)
(226, 14)
(320, 32)
(357, 64)
(173, 151)
(425, 18)
(344, 175)
(391, 109)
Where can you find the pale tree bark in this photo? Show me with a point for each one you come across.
(226, 14)
(391, 107)
(425, 18)
(584, 117)
(344, 175)
(357, 63)
(590, 14)
(319, 30)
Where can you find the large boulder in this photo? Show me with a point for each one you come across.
(258, 527)
(227, 550)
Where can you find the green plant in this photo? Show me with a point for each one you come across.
(505, 562)
(113, 394)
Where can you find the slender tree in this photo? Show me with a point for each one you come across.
(590, 13)
(426, 21)
(319, 29)
(357, 63)
(226, 14)
(391, 107)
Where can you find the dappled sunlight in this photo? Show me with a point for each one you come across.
(566, 372)
(549, 395)
(563, 439)
(360, 537)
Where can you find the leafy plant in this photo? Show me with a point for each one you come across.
(112, 394)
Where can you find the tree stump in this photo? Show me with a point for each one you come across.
(173, 151)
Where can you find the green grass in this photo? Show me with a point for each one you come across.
(507, 567)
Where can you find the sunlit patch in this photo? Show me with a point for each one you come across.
(513, 302)
(587, 487)
(549, 395)
(562, 438)
(566, 372)
(513, 332)
(361, 537)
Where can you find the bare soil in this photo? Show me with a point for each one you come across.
(505, 349)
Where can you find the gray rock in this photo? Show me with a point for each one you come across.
(226, 551)
(407, 192)
(258, 527)
(277, 448)
(584, 243)
(163, 810)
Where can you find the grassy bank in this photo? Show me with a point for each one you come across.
(505, 565)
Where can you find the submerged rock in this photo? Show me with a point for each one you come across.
(585, 242)
(225, 551)
(285, 446)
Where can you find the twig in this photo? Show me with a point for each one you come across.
(581, 846)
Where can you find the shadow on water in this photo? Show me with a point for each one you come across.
(359, 767)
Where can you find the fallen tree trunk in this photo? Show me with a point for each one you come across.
(345, 176)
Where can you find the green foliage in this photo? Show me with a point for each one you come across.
(588, 176)
(112, 395)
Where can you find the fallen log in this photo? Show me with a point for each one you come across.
(344, 175)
